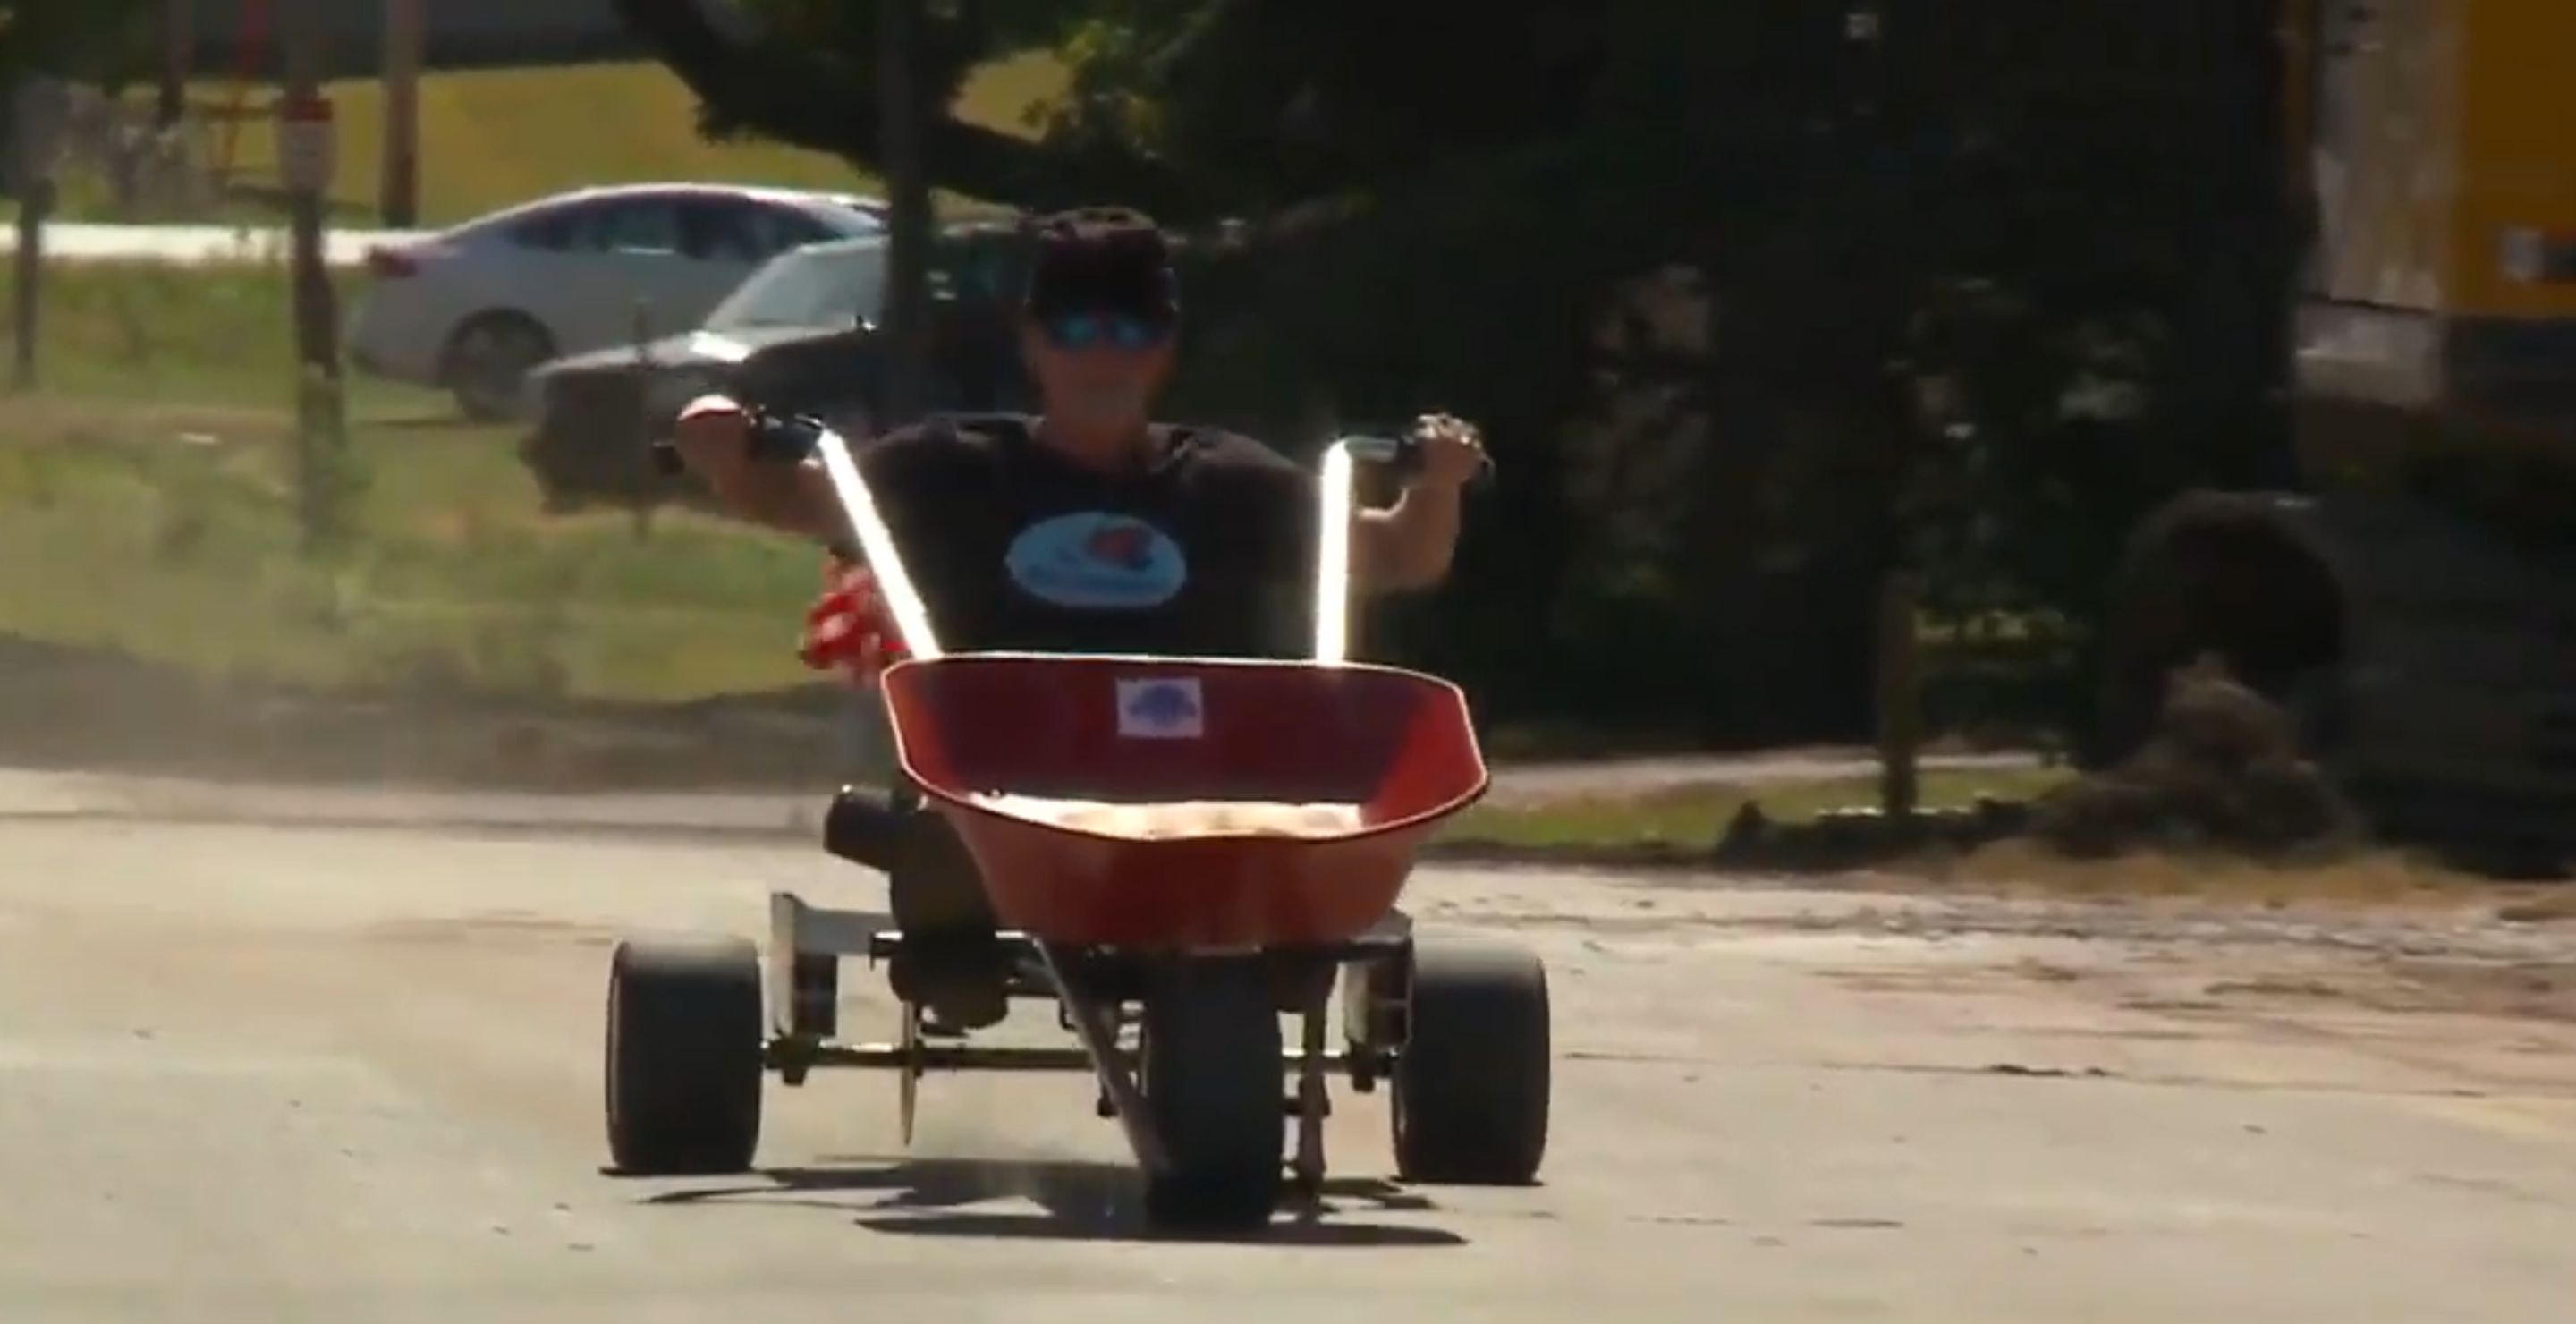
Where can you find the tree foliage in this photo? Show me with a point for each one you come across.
(805, 72)
(1758, 299)
(1193, 108)
(67, 38)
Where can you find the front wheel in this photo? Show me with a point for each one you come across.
(1213, 1085)
(684, 1061)
(1472, 1078)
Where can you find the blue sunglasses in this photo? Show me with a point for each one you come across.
(1096, 330)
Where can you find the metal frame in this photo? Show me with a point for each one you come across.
(808, 943)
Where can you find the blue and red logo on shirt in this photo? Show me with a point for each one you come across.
(1097, 560)
(1128, 546)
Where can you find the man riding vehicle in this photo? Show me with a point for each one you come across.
(1087, 528)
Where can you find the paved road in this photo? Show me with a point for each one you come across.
(83, 242)
(297, 1075)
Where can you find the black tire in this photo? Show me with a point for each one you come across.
(684, 1060)
(1214, 1087)
(487, 362)
(2212, 572)
(2318, 702)
(1471, 1087)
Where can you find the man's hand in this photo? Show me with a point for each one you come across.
(713, 436)
(1452, 452)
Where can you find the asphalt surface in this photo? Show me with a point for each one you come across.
(332, 1074)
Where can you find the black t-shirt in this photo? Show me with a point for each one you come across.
(1206, 548)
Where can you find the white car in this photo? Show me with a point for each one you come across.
(473, 308)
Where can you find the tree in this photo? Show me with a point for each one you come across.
(1884, 253)
(67, 38)
(1191, 109)
(804, 72)
(62, 39)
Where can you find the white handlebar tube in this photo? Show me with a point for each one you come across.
(1333, 558)
(912, 619)
(859, 508)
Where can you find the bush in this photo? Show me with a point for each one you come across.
(2220, 771)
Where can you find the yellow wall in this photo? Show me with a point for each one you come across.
(2517, 152)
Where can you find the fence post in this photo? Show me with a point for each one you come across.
(1900, 699)
(326, 479)
(35, 198)
(39, 122)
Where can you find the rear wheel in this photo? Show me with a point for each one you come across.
(684, 1062)
(1214, 1088)
(488, 361)
(1471, 1094)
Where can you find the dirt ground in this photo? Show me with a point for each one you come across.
(346, 1074)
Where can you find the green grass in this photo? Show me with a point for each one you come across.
(1696, 815)
(169, 535)
(146, 506)
(214, 336)
(491, 138)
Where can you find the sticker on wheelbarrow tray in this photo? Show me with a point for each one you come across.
(1161, 708)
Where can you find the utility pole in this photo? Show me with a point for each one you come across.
(39, 114)
(406, 32)
(899, 24)
(1900, 696)
(869, 757)
(306, 154)
(178, 56)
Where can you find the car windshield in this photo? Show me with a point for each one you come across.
(857, 216)
(828, 286)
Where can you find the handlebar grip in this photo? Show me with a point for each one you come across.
(1398, 450)
(775, 439)
(786, 438)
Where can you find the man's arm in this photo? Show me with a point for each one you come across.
(713, 436)
(1394, 549)
(1408, 545)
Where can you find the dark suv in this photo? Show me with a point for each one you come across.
(799, 336)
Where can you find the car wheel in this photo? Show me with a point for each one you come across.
(488, 361)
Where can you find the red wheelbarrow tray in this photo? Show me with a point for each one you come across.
(1397, 745)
